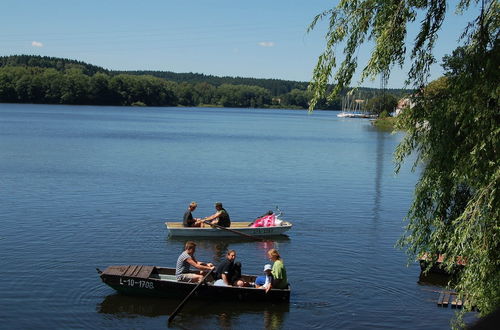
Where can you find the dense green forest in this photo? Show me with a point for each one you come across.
(37, 79)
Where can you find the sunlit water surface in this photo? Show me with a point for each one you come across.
(85, 187)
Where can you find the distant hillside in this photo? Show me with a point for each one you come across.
(42, 79)
(60, 64)
(276, 87)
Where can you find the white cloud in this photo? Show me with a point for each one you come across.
(36, 44)
(266, 44)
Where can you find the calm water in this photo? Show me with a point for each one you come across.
(85, 187)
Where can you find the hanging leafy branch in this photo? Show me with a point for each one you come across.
(352, 23)
(453, 127)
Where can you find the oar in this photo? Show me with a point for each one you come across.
(178, 309)
(233, 231)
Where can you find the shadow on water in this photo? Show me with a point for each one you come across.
(434, 279)
(437, 279)
(226, 314)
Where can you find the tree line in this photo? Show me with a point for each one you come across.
(37, 79)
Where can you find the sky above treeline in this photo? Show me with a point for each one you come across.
(257, 39)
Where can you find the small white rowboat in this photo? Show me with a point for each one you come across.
(177, 229)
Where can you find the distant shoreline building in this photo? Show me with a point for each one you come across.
(403, 104)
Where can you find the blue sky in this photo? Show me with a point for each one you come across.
(259, 39)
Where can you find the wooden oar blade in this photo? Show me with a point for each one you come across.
(183, 302)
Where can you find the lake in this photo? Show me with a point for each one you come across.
(85, 187)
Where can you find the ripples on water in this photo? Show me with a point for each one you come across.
(87, 187)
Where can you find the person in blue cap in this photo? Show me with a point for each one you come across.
(265, 281)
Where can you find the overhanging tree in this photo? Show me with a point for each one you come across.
(454, 127)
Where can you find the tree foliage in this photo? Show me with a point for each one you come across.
(55, 80)
(454, 127)
(275, 86)
(60, 64)
(26, 84)
(379, 104)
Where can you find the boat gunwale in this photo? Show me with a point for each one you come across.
(149, 278)
(285, 224)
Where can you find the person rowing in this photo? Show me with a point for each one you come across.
(187, 259)
(220, 217)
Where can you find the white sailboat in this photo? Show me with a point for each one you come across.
(353, 108)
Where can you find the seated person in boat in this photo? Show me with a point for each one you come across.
(186, 259)
(280, 280)
(228, 273)
(220, 218)
(188, 220)
(265, 281)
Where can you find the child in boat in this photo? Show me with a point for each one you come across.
(264, 282)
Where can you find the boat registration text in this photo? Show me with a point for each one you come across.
(136, 283)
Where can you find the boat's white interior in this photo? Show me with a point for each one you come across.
(173, 278)
(165, 277)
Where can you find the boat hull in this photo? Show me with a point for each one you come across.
(160, 282)
(177, 230)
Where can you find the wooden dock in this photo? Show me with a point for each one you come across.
(449, 298)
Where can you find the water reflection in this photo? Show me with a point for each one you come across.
(122, 306)
(273, 319)
(227, 315)
(271, 315)
(379, 170)
(219, 247)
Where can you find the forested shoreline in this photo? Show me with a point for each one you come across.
(50, 80)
